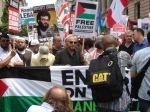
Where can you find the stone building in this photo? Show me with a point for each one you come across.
(136, 8)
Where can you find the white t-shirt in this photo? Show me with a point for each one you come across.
(5, 54)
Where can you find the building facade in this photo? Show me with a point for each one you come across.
(135, 10)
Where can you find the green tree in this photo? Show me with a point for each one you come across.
(23, 31)
(4, 19)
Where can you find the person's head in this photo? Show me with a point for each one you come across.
(128, 36)
(148, 37)
(98, 43)
(43, 19)
(138, 34)
(27, 43)
(4, 41)
(14, 41)
(57, 97)
(89, 43)
(49, 45)
(57, 42)
(109, 41)
(43, 52)
(79, 45)
(71, 42)
(34, 45)
(21, 45)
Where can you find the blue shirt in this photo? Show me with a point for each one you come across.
(141, 46)
(140, 58)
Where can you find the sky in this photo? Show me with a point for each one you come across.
(39, 2)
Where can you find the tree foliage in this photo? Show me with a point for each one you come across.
(4, 19)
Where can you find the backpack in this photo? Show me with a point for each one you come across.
(105, 78)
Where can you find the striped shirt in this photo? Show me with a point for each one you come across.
(122, 103)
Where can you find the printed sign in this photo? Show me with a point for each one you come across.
(27, 15)
(13, 18)
(47, 26)
(85, 18)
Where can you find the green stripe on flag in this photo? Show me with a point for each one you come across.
(87, 16)
(18, 104)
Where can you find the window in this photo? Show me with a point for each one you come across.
(137, 10)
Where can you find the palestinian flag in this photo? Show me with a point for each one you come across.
(22, 87)
(114, 14)
(86, 11)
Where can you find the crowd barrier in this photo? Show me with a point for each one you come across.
(21, 87)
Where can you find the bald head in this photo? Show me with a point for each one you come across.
(109, 41)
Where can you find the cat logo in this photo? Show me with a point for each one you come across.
(101, 77)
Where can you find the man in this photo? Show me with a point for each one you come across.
(69, 55)
(43, 19)
(8, 57)
(34, 46)
(139, 60)
(89, 49)
(43, 58)
(24, 54)
(121, 104)
(57, 44)
(140, 41)
(128, 44)
(55, 100)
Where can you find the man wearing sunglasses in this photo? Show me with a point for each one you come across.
(8, 57)
(69, 55)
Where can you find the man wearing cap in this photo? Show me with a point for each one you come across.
(43, 57)
(8, 56)
(24, 54)
(34, 46)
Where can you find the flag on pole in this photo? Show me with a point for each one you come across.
(64, 14)
(100, 23)
(64, 17)
(115, 12)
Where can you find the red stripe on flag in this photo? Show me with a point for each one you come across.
(65, 19)
(110, 20)
(63, 7)
(124, 3)
(3, 88)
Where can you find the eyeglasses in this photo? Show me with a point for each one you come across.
(5, 40)
(71, 42)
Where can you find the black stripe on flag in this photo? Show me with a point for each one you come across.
(88, 5)
(30, 73)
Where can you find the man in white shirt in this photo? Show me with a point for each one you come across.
(8, 57)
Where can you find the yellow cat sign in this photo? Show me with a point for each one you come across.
(101, 77)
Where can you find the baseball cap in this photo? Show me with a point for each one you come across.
(43, 51)
(34, 42)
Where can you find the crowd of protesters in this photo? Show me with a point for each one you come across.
(79, 51)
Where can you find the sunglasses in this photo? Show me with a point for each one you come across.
(73, 42)
(5, 40)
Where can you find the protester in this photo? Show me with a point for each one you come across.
(14, 41)
(69, 55)
(139, 60)
(57, 44)
(121, 104)
(8, 56)
(34, 46)
(49, 45)
(55, 100)
(89, 49)
(24, 54)
(140, 41)
(43, 57)
(127, 44)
